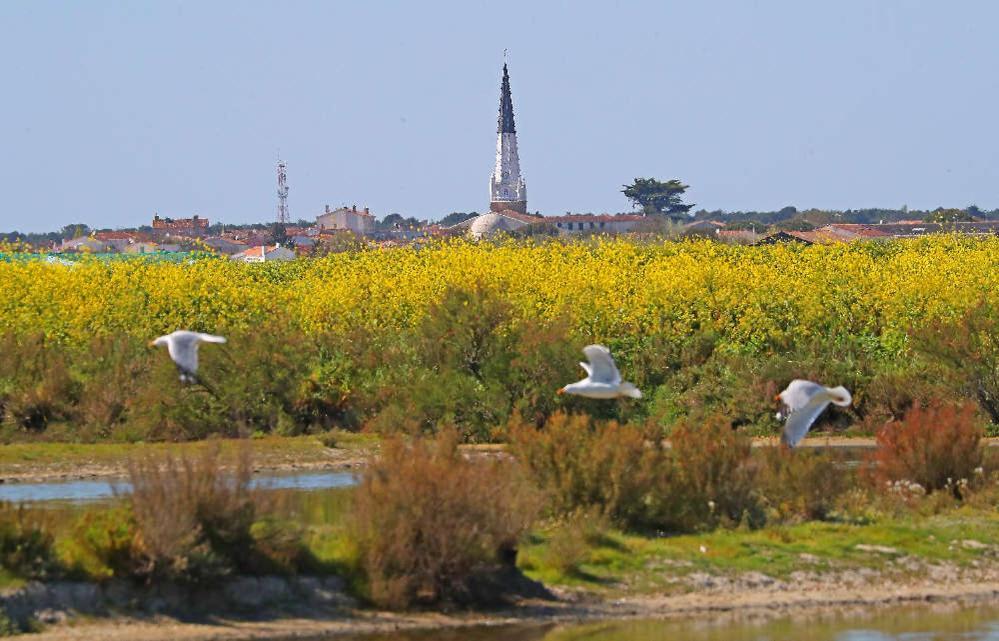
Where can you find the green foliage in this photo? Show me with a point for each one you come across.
(657, 197)
(26, 543)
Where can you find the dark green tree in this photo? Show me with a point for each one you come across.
(948, 215)
(279, 233)
(75, 230)
(657, 197)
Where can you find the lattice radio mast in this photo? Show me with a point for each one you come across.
(282, 192)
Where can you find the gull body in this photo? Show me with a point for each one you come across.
(803, 401)
(603, 380)
(182, 346)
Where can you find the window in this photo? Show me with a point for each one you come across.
(591, 225)
(602, 223)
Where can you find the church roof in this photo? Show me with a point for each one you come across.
(506, 125)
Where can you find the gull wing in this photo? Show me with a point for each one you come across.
(586, 366)
(602, 368)
(800, 420)
(209, 338)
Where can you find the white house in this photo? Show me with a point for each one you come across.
(595, 224)
(344, 219)
(264, 253)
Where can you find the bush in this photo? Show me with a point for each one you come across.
(969, 347)
(36, 387)
(708, 480)
(936, 447)
(425, 521)
(800, 485)
(26, 542)
(194, 518)
(582, 464)
(104, 544)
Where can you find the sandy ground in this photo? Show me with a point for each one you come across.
(752, 595)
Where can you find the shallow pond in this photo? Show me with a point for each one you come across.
(926, 623)
(83, 490)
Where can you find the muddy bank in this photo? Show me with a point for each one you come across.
(331, 461)
(276, 609)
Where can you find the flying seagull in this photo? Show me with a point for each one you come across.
(803, 401)
(603, 380)
(182, 346)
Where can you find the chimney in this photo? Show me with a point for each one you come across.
(366, 212)
(354, 209)
(327, 209)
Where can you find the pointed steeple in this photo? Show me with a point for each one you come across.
(506, 125)
(507, 190)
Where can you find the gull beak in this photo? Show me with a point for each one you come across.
(777, 398)
(560, 391)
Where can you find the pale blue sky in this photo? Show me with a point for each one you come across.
(114, 110)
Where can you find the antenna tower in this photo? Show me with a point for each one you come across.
(282, 192)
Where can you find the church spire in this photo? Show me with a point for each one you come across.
(506, 125)
(507, 189)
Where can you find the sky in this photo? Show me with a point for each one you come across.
(115, 110)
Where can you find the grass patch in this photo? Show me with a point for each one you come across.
(622, 563)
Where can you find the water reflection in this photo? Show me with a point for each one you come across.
(944, 623)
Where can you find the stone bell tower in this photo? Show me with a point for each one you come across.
(507, 189)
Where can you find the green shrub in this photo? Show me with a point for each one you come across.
(26, 542)
(425, 521)
(800, 485)
(103, 544)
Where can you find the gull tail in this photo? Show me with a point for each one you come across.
(629, 390)
(840, 396)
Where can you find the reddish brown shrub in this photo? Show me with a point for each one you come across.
(709, 480)
(580, 463)
(936, 447)
(425, 521)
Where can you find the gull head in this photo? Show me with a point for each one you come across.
(159, 342)
(840, 396)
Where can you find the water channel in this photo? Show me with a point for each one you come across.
(925, 623)
(80, 491)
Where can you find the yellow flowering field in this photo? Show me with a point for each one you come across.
(609, 289)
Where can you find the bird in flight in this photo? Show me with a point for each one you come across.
(802, 402)
(182, 346)
(602, 380)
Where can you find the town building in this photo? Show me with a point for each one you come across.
(574, 224)
(193, 227)
(141, 247)
(344, 219)
(226, 246)
(264, 254)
